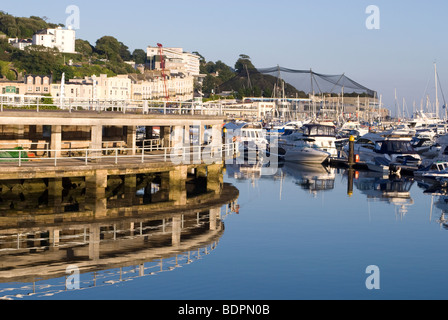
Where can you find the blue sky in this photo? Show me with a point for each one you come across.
(328, 36)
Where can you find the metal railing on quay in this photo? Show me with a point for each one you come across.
(34, 103)
(181, 154)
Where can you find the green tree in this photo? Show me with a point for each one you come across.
(109, 47)
(209, 85)
(201, 58)
(83, 47)
(243, 64)
(267, 92)
(139, 56)
(60, 69)
(21, 27)
(256, 91)
(124, 52)
(37, 59)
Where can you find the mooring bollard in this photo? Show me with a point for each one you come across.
(351, 151)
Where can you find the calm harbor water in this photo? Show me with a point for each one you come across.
(294, 232)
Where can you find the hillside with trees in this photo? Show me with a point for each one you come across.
(107, 55)
(244, 80)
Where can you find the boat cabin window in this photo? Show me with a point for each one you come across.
(319, 130)
(441, 166)
(396, 146)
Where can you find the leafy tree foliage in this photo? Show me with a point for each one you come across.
(37, 59)
(18, 27)
(109, 47)
(139, 56)
(84, 47)
(124, 52)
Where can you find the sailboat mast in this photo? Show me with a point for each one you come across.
(396, 105)
(343, 109)
(357, 114)
(379, 108)
(437, 97)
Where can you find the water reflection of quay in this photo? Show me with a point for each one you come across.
(134, 225)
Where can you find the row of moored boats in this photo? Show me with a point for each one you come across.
(420, 149)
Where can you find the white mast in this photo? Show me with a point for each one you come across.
(396, 105)
(357, 114)
(379, 108)
(343, 109)
(437, 97)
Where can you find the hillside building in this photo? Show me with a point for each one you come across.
(175, 60)
(61, 39)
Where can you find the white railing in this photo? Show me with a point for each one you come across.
(75, 157)
(125, 106)
(152, 144)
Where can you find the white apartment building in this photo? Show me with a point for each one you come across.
(127, 87)
(20, 43)
(61, 39)
(95, 88)
(113, 88)
(175, 59)
(178, 87)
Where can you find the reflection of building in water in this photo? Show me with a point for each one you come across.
(395, 191)
(112, 227)
(314, 178)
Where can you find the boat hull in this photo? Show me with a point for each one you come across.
(306, 155)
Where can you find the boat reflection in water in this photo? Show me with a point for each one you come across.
(138, 225)
(391, 189)
(311, 177)
(253, 170)
(439, 200)
(442, 204)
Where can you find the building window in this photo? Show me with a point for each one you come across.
(30, 89)
(46, 89)
(37, 89)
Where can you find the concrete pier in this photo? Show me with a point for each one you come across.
(23, 124)
(93, 210)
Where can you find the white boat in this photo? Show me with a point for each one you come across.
(319, 136)
(380, 152)
(251, 137)
(292, 125)
(364, 147)
(421, 144)
(423, 120)
(302, 152)
(440, 148)
(437, 171)
(354, 126)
